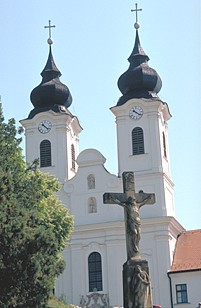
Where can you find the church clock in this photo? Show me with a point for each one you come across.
(136, 112)
(44, 126)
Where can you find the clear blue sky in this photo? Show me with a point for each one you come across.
(92, 41)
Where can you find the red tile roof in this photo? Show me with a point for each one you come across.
(187, 256)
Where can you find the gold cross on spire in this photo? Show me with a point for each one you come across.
(49, 27)
(136, 10)
(50, 41)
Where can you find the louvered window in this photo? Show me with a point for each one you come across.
(164, 146)
(137, 141)
(95, 272)
(45, 153)
(73, 156)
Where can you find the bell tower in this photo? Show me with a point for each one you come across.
(142, 131)
(51, 130)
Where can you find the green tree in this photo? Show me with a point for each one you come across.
(34, 227)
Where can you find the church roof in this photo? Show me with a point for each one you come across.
(187, 256)
(140, 80)
(51, 93)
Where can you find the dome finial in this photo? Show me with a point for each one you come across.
(50, 94)
(136, 10)
(49, 40)
(140, 80)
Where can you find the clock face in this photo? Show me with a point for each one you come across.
(44, 126)
(136, 112)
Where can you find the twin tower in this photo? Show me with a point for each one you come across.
(97, 251)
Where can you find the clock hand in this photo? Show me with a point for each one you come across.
(137, 112)
(44, 126)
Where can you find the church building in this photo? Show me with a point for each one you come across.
(97, 252)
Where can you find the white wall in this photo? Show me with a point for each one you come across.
(104, 232)
(193, 281)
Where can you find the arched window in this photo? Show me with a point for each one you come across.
(138, 141)
(95, 272)
(45, 153)
(164, 146)
(91, 181)
(92, 205)
(73, 156)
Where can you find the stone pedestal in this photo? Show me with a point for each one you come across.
(136, 284)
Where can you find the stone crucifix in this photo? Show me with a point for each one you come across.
(132, 202)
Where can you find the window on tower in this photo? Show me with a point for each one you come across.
(138, 141)
(95, 272)
(73, 156)
(45, 153)
(164, 146)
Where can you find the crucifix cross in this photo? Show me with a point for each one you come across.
(136, 10)
(131, 202)
(49, 27)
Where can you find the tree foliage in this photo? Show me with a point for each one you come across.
(34, 226)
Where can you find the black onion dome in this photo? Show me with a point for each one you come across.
(139, 81)
(51, 91)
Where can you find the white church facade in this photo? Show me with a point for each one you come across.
(97, 251)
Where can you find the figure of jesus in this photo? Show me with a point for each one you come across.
(132, 220)
(131, 202)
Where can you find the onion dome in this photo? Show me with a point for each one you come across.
(50, 93)
(139, 81)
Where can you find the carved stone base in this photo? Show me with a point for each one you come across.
(136, 284)
(95, 300)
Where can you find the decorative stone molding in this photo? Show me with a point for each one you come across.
(95, 300)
